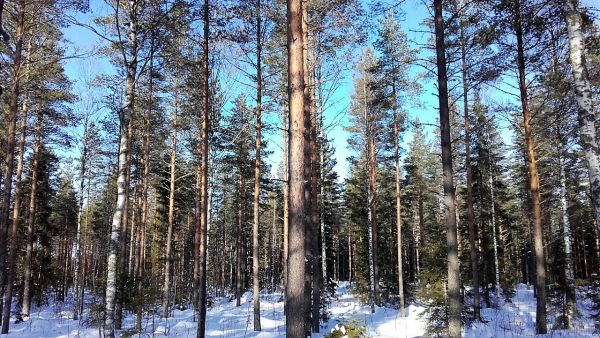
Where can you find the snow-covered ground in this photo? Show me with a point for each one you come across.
(224, 319)
(517, 319)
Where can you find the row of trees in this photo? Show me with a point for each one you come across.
(170, 193)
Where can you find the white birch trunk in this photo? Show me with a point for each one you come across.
(114, 242)
(583, 93)
(369, 202)
(569, 274)
(494, 234)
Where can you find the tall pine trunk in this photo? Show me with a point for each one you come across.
(321, 188)
(314, 210)
(533, 178)
(470, 218)
(203, 212)
(274, 246)
(454, 299)
(295, 305)
(13, 235)
(308, 225)
(144, 196)
(37, 149)
(171, 212)
(398, 204)
(10, 137)
(256, 207)
(239, 254)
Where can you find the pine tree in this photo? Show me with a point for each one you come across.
(368, 118)
(454, 298)
(295, 308)
(394, 64)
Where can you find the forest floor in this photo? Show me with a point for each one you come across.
(224, 319)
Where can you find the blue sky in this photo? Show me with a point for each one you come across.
(415, 12)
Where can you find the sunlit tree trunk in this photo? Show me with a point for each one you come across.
(398, 205)
(13, 235)
(309, 227)
(314, 210)
(286, 184)
(37, 148)
(583, 93)
(295, 304)
(123, 164)
(9, 161)
(567, 240)
(203, 212)
(256, 207)
(533, 178)
(239, 252)
(171, 212)
(77, 288)
(493, 214)
(371, 204)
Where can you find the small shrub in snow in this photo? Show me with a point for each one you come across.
(594, 295)
(351, 329)
(128, 333)
(95, 316)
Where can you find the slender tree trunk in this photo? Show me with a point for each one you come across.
(144, 196)
(567, 240)
(350, 261)
(322, 192)
(13, 235)
(454, 299)
(371, 205)
(534, 181)
(140, 250)
(37, 149)
(123, 164)
(310, 233)
(77, 270)
(421, 214)
(85, 263)
(171, 212)
(314, 211)
(398, 205)
(223, 253)
(493, 212)
(583, 93)
(13, 110)
(3, 36)
(296, 269)
(286, 185)
(597, 240)
(114, 243)
(122, 269)
(240, 234)
(274, 245)
(469, 170)
(203, 212)
(256, 225)
(132, 264)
